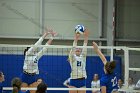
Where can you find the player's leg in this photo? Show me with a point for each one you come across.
(72, 91)
(78, 83)
(82, 84)
(82, 91)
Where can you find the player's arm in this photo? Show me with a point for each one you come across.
(42, 51)
(66, 83)
(97, 50)
(84, 50)
(76, 37)
(103, 89)
(32, 49)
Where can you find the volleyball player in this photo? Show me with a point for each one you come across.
(35, 84)
(77, 59)
(1, 81)
(30, 67)
(41, 88)
(16, 84)
(108, 82)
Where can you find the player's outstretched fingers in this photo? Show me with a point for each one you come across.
(86, 32)
(54, 34)
(95, 46)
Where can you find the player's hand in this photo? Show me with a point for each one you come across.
(95, 46)
(86, 33)
(47, 31)
(50, 31)
(54, 33)
(76, 37)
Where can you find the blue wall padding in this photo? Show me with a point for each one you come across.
(53, 69)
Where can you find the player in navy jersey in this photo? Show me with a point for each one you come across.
(30, 67)
(16, 84)
(108, 82)
(2, 79)
(77, 60)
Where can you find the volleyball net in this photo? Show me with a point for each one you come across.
(54, 67)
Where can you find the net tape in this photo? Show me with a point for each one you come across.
(63, 89)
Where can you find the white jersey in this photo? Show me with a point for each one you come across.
(78, 67)
(138, 84)
(31, 64)
(31, 58)
(95, 84)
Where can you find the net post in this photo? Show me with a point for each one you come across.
(111, 54)
(126, 63)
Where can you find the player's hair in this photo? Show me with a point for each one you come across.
(110, 66)
(131, 78)
(1, 73)
(26, 50)
(120, 79)
(16, 84)
(41, 88)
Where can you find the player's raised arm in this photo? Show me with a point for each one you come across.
(97, 50)
(84, 50)
(39, 42)
(76, 37)
(53, 34)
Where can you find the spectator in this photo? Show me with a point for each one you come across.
(138, 84)
(120, 84)
(131, 85)
(95, 83)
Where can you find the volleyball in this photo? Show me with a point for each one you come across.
(79, 29)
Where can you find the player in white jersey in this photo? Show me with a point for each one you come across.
(77, 59)
(30, 67)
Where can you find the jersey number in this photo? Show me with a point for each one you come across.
(78, 63)
(35, 61)
(114, 81)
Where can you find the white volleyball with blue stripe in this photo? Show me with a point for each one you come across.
(79, 29)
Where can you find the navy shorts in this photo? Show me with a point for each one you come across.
(28, 78)
(81, 82)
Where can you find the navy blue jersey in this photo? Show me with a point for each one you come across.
(110, 81)
(0, 87)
